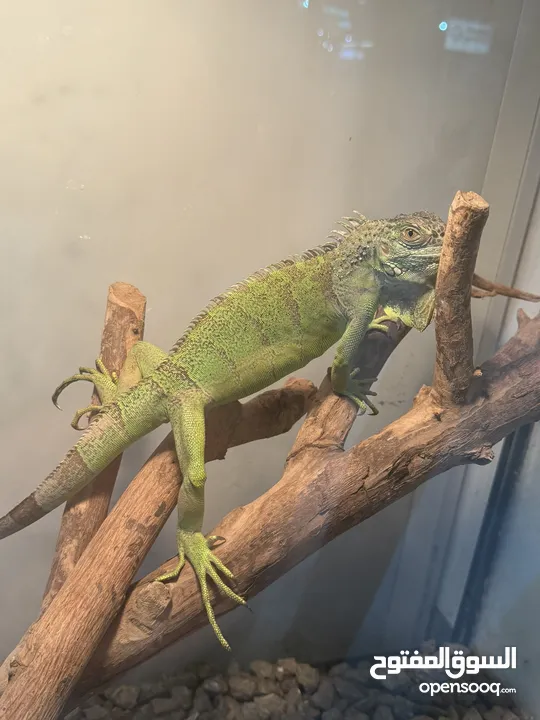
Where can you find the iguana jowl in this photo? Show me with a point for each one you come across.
(252, 335)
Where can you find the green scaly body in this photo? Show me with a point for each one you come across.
(259, 331)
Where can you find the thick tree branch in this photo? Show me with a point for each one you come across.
(83, 514)
(453, 326)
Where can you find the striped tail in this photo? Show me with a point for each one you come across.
(105, 438)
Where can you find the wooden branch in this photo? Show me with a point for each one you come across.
(477, 293)
(486, 288)
(453, 326)
(46, 665)
(325, 491)
(83, 514)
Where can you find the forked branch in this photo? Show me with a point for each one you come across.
(323, 492)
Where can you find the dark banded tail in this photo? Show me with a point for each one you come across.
(105, 439)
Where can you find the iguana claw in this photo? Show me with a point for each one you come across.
(358, 392)
(104, 382)
(362, 402)
(196, 548)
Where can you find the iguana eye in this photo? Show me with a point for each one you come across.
(411, 236)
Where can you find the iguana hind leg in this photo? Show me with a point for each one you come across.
(141, 360)
(186, 414)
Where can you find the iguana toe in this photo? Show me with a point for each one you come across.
(81, 413)
(104, 382)
(196, 548)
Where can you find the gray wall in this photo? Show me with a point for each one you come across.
(509, 613)
(179, 146)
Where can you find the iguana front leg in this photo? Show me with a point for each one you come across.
(141, 360)
(186, 414)
(343, 370)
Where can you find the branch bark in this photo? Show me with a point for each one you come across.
(487, 288)
(83, 514)
(453, 325)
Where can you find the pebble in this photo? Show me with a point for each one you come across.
(362, 676)
(262, 669)
(323, 698)
(332, 714)
(149, 691)
(498, 712)
(144, 712)
(402, 708)
(124, 696)
(347, 689)
(189, 679)
(339, 669)
(183, 696)
(293, 699)
(96, 712)
(242, 687)
(288, 683)
(353, 714)
(203, 671)
(74, 715)
(396, 683)
(266, 686)
(216, 685)
(269, 705)
(228, 708)
(383, 712)
(160, 706)
(287, 666)
(118, 714)
(308, 677)
(306, 710)
(250, 711)
(201, 701)
(472, 714)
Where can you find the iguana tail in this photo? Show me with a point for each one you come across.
(119, 424)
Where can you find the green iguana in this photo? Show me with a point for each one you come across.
(255, 333)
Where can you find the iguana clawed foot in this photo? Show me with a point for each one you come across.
(358, 391)
(196, 548)
(104, 382)
(377, 323)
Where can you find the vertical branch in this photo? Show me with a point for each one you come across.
(453, 325)
(83, 514)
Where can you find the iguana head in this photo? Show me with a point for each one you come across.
(407, 247)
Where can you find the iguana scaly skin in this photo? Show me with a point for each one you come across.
(252, 335)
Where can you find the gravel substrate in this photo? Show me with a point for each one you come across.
(292, 690)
